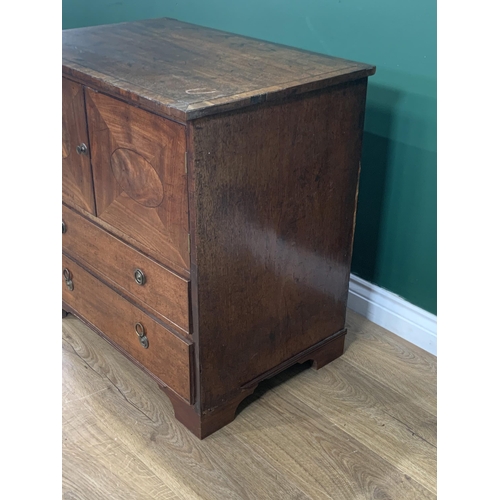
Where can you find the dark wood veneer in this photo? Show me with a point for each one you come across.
(275, 192)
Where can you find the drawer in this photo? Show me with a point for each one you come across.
(167, 356)
(77, 188)
(140, 182)
(115, 262)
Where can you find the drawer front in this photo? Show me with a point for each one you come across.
(138, 162)
(167, 356)
(77, 189)
(154, 286)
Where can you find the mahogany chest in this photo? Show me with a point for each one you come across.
(209, 197)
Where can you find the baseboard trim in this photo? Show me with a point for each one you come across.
(393, 313)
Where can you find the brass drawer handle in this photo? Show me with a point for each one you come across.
(63, 227)
(82, 149)
(140, 277)
(68, 278)
(141, 333)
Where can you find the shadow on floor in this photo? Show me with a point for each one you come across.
(272, 383)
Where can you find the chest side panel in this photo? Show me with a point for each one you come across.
(275, 192)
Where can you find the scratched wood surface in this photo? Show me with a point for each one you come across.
(187, 71)
(362, 427)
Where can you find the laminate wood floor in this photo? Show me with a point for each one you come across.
(362, 427)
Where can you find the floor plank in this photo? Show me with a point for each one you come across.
(404, 367)
(362, 427)
(393, 427)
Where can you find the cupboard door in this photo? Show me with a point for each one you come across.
(139, 176)
(77, 184)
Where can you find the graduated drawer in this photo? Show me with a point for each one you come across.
(163, 291)
(167, 357)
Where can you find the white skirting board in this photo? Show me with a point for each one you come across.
(393, 313)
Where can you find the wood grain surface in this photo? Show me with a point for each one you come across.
(187, 71)
(77, 183)
(363, 427)
(138, 161)
(275, 192)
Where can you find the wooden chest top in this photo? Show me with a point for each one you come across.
(186, 71)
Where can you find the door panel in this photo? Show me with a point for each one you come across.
(77, 188)
(139, 177)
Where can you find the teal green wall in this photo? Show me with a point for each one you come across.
(395, 242)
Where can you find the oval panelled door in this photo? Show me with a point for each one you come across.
(140, 178)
